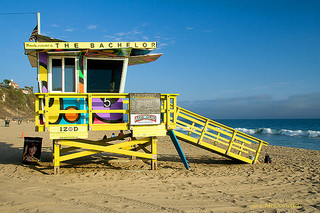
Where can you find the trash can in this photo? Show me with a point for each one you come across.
(31, 150)
(6, 123)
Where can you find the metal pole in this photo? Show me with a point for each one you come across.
(38, 20)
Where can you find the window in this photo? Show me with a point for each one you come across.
(56, 75)
(104, 75)
(69, 73)
(63, 74)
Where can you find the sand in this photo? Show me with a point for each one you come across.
(109, 183)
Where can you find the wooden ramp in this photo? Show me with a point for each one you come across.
(215, 137)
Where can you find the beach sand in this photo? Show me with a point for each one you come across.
(109, 183)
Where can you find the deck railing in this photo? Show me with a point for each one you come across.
(43, 110)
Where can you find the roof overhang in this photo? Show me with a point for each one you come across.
(137, 52)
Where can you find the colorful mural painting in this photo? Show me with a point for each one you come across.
(43, 73)
(123, 52)
(106, 104)
(67, 104)
(143, 59)
(81, 77)
(81, 104)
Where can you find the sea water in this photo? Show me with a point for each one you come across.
(298, 133)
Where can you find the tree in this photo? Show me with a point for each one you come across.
(6, 81)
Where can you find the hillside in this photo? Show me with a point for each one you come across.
(15, 104)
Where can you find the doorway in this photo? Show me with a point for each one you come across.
(104, 76)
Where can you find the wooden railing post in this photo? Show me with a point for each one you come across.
(203, 131)
(154, 142)
(90, 111)
(257, 152)
(46, 112)
(217, 139)
(189, 133)
(241, 148)
(56, 160)
(36, 109)
(164, 104)
(174, 114)
(231, 142)
(168, 111)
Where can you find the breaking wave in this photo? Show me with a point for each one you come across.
(286, 132)
(269, 131)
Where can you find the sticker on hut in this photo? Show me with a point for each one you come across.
(145, 119)
(32, 150)
(145, 108)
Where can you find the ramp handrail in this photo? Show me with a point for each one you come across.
(216, 137)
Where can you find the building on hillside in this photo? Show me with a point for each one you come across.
(7, 83)
(14, 85)
(26, 91)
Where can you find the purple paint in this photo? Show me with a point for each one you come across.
(106, 104)
(43, 58)
(44, 89)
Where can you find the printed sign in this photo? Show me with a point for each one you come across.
(145, 108)
(88, 45)
(31, 150)
(144, 119)
(62, 132)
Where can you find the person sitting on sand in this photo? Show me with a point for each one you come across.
(29, 153)
(121, 133)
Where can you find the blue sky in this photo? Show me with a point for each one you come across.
(226, 59)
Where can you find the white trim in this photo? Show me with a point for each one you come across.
(84, 72)
(62, 74)
(76, 75)
(123, 72)
(124, 75)
(49, 73)
(38, 22)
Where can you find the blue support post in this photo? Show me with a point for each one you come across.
(178, 148)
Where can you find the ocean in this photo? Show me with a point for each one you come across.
(298, 133)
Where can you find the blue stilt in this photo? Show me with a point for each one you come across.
(178, 148)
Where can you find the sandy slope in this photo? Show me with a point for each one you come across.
(105, 183)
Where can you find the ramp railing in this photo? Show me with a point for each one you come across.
(216, 137)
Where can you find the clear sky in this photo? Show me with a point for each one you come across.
(226, 59)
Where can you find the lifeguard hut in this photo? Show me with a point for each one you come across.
(81, 89)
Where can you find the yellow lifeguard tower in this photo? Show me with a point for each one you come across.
(81, 89)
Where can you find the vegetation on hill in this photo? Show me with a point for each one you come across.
(15, 104)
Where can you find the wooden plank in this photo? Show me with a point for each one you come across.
(116, 148)
(77, 155)
(154, 159)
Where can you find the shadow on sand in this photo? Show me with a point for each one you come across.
(203, 159)
(13, 155)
